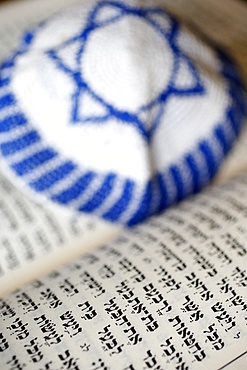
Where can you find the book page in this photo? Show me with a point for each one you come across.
(35, 238)
(227, 27)
(170, 294)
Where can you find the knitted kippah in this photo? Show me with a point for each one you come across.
(114, 108)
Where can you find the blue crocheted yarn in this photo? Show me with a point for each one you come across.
(127, 196)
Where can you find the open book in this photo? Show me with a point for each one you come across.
(168, 294)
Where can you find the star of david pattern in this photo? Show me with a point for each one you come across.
(116, 11)
(45, 171)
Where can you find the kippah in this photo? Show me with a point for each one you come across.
(115, 108)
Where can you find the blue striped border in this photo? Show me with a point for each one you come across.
(188, 176)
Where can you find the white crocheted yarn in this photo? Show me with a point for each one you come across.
(114, 108)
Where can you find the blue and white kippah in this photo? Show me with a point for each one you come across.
(114, 108)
